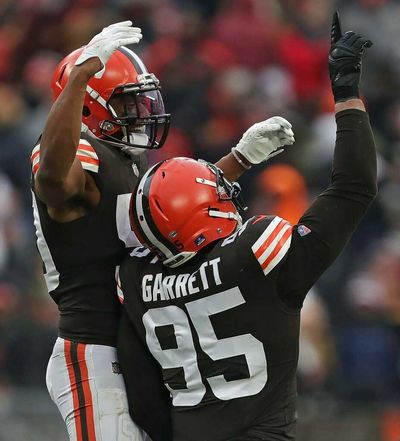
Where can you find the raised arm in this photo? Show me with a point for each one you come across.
(354, 162)
(328, 224)
(60, 176)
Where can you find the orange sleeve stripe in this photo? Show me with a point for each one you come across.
(88, 160)
(86, 147)
(270, 238)
(258, 218)
(278, 247)
(35, 155)
(82, 158)
(35, 168)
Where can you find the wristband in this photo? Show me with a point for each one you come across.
(343, 93)
(239, 160)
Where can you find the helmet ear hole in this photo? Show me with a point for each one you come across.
(86, 111)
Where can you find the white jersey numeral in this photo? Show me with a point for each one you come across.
(51, 276)
(185, 355)
(125, 232)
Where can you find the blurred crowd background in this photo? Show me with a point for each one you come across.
(223, 65)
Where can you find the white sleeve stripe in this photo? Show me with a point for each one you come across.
(264, 256)
(87, 153)
(36, 149)
(36, 160)
(279, 256)
(120, 293)
(90, 167)
(271, 227)
(81, 151)
(83, 141)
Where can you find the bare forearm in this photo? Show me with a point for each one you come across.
(62, 130)
(231, 167)
(354, 103)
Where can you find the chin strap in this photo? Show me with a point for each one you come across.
(225, 215)
(135, 138)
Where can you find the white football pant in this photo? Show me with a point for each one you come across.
(84, 382)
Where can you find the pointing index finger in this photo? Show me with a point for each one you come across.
(336, 30)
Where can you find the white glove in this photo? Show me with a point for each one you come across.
(262, 140)
(107, 41)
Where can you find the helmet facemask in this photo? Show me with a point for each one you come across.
(138, 114)
(226, 190)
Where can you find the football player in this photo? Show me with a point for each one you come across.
(216, 302)
(108, 111)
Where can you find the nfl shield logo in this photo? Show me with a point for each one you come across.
(303, 230)
(115, 367)
(199, 240)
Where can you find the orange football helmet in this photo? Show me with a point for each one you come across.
(181, 205)
(123, 105)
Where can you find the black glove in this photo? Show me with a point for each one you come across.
(345, 61)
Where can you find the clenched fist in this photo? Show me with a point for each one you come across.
(264, 139)
(107, 41)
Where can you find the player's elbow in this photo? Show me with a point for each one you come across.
(371, 188)
(366, 195)
(373, 191)
(50, 188)
(367, 199)
(46, 178)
